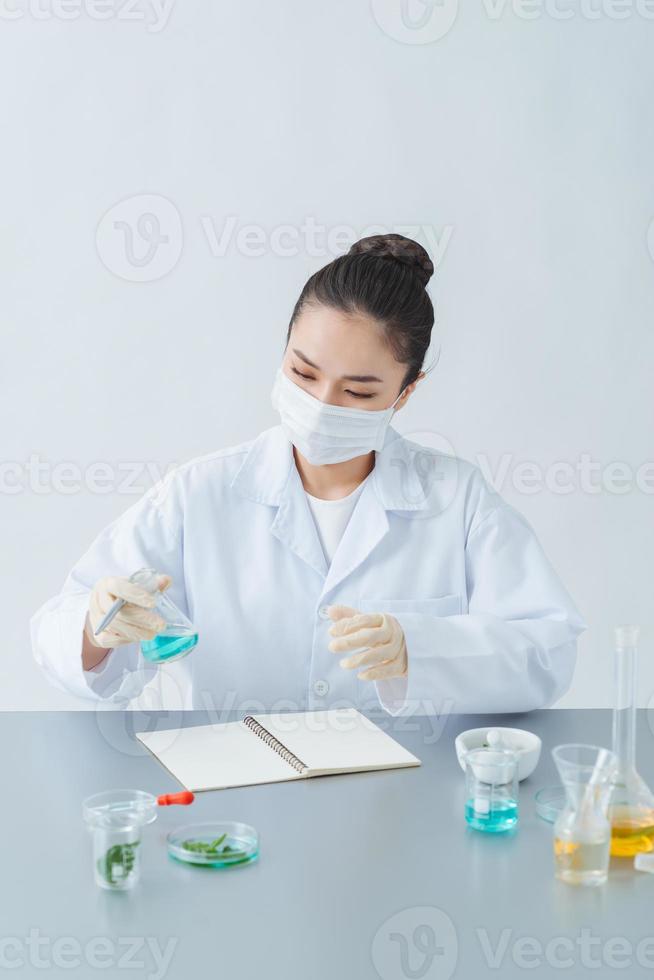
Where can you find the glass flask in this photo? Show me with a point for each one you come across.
(582, 832)
(180, 635)
(491, 790)
(115, 819)
(631, 807)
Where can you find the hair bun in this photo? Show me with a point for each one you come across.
(399, 248)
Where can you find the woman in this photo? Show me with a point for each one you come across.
(329, 561)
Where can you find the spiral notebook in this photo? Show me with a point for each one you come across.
(275, 748)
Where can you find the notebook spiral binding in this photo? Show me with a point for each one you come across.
(274, 744)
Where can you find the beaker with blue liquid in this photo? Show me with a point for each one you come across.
(179, 636)
(491, 790)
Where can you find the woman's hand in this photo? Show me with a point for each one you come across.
(132, 623)
(385, 653)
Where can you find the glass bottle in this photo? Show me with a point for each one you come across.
(180, 635)
(582, 831)
(631, 808)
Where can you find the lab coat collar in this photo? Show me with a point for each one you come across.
(268, 475)
(268, 472)
(264, 473)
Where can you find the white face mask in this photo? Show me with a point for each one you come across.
(327, 433)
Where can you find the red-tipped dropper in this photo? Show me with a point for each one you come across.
(176, 799)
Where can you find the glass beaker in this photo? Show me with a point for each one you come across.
(582, 832)
(115, 819)
(491, 790)
(179, 636)
(631, 807)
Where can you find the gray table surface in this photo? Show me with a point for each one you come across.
(359, 875)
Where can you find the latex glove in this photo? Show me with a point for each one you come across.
(385, 653)
(132, 623)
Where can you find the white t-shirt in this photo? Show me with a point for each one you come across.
(331, 518)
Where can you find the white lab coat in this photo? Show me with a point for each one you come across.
(488, 625)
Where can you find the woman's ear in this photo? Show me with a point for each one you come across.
(408, 391)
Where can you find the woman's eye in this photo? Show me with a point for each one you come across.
(307, 377)
(359, 394)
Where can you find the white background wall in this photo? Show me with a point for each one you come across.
(522, 147)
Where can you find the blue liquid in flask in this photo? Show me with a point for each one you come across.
(165, 647)
(500, 816)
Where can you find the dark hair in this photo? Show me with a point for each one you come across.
(383, 277)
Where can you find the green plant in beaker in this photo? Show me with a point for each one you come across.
(115, 819)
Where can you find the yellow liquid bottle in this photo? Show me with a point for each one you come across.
(631, 807)
(632, 829)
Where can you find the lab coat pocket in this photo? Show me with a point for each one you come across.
(445, 605)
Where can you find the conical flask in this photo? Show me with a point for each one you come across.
(631, 806)
(179, 636)
(582, 832)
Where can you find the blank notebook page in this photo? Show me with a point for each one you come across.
(339, 740)
(217, 756)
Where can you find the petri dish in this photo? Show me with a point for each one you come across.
(223, 844)
(550, 801)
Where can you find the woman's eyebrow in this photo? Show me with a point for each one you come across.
(303, 357)
(346, 377)
(362, 377)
